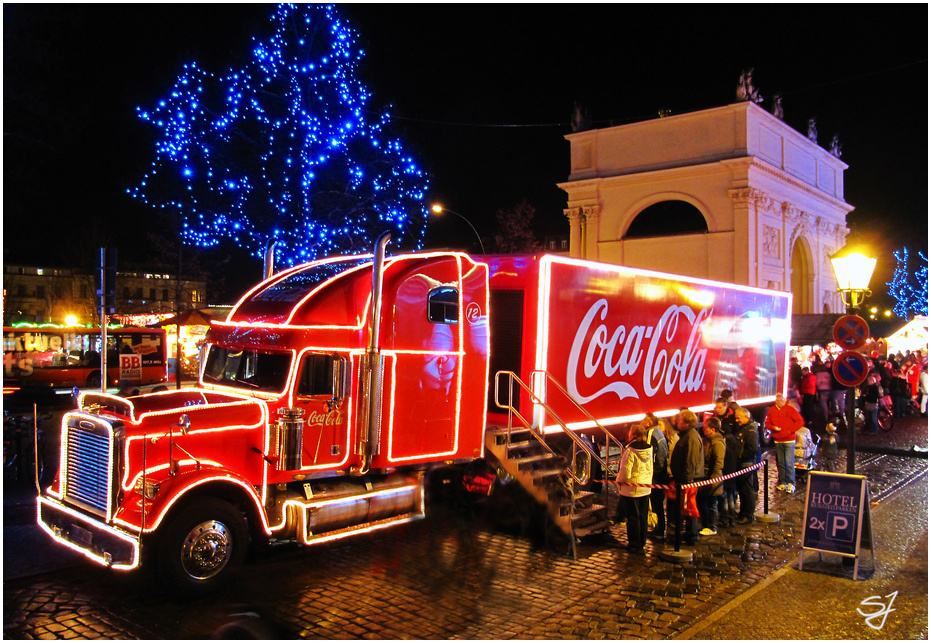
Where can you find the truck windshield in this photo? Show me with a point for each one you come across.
(247, 369)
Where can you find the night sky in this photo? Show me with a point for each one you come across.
(482, 95)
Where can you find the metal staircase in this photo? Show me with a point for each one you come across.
(553, 477)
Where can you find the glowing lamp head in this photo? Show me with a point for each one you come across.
(853, 271)
(71, 320)
(437, 208)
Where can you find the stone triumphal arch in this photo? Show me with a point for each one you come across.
(731, 194)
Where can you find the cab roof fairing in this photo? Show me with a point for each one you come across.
(339, 302)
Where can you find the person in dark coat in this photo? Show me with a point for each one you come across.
(657, 439)
(728, 502)
(687, 465)
(708, 495)
(723, 412)
(748, 454)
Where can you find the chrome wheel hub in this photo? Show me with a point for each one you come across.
(206, 549)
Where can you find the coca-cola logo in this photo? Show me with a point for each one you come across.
(331, 418)
(624, 357)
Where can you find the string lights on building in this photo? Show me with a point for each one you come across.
(285, 149)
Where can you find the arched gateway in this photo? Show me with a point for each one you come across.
(731, 194)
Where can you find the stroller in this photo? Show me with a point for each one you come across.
(805, 451)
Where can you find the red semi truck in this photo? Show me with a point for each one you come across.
(334, 388)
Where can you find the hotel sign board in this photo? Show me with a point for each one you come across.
(837, 515)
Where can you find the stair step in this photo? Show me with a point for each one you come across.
(541, 459)
(584, 512)
(522, 444)
(580, 498)
(541, 476)
(581, 532)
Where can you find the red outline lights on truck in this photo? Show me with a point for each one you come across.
(643, 353)
(132, 540)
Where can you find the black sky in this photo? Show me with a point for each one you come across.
(482, 94)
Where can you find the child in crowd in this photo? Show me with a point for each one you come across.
(829, 449)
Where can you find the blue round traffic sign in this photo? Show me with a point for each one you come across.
(851, 332)
(850, 368)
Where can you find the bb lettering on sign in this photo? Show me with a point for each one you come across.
(131, 367)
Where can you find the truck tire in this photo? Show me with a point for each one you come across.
(201, 545)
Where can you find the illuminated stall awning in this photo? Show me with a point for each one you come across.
(189, 318)
(913, 336)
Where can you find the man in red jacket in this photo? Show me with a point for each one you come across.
(783, 420)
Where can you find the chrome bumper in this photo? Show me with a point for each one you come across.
(102, 543)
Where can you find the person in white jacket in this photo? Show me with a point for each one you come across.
(636, 466)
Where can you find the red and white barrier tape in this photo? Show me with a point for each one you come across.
(702, 483)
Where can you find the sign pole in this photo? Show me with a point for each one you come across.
(851, 369)
(851, 430)
(103, 320)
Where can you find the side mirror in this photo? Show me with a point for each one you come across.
(340, 378)
(185, 423)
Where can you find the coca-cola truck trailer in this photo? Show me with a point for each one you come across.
(333, 388)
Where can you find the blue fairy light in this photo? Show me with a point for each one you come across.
(254, 167)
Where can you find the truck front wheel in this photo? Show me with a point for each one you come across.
(203, 542)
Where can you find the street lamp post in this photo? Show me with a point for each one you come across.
(852, 269)
(439, 209)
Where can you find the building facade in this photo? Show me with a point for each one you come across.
(768, 202)
(50, 295)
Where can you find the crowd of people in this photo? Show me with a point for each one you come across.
(685, 450)
(660, 451)
(899, 381)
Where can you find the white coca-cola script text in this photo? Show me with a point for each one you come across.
(622, 360)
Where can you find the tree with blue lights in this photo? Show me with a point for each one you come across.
(285, 149)
(910, 289)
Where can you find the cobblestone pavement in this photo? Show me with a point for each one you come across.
(443, 577)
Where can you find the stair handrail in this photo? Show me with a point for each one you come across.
(579, 442)
(609, 437)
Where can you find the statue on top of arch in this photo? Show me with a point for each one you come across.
(745, 89)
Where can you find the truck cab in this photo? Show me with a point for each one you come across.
(324, 396)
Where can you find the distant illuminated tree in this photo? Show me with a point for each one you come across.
(514, 232)
(910, 289)
(285, 149)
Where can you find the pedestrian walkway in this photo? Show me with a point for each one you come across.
(820, 603)
(449, 577)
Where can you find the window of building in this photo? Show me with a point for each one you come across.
(667, 218)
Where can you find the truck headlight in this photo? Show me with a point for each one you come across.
(147, 491)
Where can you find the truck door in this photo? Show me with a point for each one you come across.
(321, 391)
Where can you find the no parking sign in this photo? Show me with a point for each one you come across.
(851, 332)
(850, 368)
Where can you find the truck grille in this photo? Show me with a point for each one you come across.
(88, 467)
